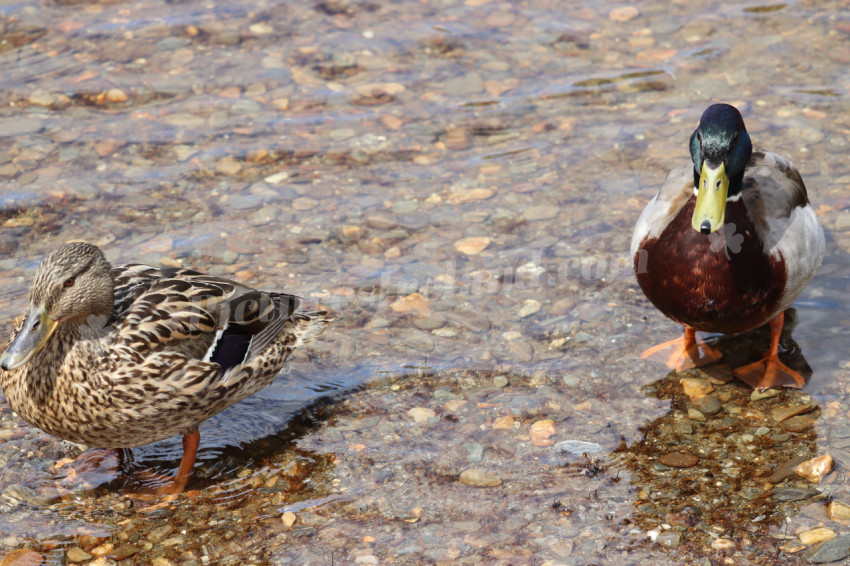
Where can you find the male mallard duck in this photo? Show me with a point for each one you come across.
(125, 356)
(727, 244)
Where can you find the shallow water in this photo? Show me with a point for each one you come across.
(458, 181)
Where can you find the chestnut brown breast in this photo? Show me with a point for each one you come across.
(721, 282)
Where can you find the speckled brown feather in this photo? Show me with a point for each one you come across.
(138, 376)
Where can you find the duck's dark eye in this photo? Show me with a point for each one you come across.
(69, 282)
(699, 138)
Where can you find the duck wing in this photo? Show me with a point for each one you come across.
(200, 316)
(778, 204)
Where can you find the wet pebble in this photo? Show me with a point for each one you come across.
(696, 388)
(669, 539)
(757, 395)
(380, 220)
(541, 212)
(288, 519)
(541, 431)
(623, 14)
(695, 414)
(781, 414)
(801, 423)
(521, 350)
(10, 541)
(470, 83)
(122, 552)
(465, 195)
(785, 470)
(22, 557)
(709, 404)
(24, 494)
(578, 447)
(77, 554)
(421, 414)
(159, 533)
(562, 306)
(679, 459)
(529, 307)
(116, 95)
(304, 203)
(815, 469)
(750, 493)
(472, 246)
(830, 551)
(14, 126)
(429, 322)
(477, 322)
(413, 302)
(474, 452)
(816, 535)
(417, 340)
(41, 98)
(721, 543)
(793, 494)
(480, 478)
(838, 511)
(102, 549)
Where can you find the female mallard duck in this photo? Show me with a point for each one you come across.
(727, 244)
(125, 356)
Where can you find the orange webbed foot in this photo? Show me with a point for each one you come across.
(683, 353)
(769, 372)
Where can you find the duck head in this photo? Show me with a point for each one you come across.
(720, 149)
(72, 283)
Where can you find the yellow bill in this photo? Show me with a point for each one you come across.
(710, 209)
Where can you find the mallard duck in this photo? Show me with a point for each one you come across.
(727, 245)
(117, 357)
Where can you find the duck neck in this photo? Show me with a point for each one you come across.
(37, 378)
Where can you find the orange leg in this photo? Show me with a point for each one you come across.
(187, 463)
(172, 487)
(769, 371)
(683, 353)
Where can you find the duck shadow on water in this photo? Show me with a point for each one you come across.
(257, 436)
(248, 436)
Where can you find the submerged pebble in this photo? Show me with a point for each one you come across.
(480, 478)
(815, 469)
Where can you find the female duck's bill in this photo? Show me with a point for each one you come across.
(33, 336)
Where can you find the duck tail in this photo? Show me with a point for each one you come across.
(308, 325)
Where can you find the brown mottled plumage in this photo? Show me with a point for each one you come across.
(125, 356)
(727, 245)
